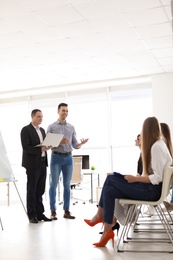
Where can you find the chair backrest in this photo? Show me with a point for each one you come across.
(77, 164)
(167, 181)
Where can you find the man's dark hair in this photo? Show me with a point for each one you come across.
(62, 105)
(34, 111)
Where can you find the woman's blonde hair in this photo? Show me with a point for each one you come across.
(151, 132)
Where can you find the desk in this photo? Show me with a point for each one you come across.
(98, 179)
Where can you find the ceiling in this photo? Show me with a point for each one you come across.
(57, 42)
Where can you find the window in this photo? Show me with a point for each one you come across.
(110, 119)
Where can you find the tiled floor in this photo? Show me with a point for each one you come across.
(62, 239)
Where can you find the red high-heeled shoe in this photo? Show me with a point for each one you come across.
(92, 224)
(107, 237)
(115, 227)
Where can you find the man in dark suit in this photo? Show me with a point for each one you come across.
(34, 160)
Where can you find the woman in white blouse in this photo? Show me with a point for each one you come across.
(155, 156)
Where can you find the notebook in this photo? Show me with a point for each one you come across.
(51, 139)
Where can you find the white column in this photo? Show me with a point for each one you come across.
(162, 92)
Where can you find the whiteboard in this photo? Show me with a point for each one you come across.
(6, 172)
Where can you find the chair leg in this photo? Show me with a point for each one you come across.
(164, 220)
(138, 212)
(126, 226)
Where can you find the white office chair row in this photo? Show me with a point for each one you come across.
(132, 232)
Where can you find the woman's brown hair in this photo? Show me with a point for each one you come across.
(151, 132)
(167, 136)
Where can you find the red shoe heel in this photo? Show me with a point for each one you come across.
(107, 237)
(92, 224)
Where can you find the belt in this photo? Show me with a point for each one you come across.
(43, 159)
(62, 154)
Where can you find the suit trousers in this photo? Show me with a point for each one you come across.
(36, 181)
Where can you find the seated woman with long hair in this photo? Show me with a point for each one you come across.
(168, 140)
(155, 156)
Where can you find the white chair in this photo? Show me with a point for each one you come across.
(163, 216)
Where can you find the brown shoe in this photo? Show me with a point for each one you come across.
(68, 215)
(53, 215)
(169, 206)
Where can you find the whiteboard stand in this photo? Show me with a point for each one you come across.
(20, 201)
(20, 198)
(6, 172)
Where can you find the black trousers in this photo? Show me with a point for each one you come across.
(36, 181)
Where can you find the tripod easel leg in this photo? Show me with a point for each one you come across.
(20, 199)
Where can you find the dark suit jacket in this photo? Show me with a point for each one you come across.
(31, 157)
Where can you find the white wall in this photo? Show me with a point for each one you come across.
(162, 94)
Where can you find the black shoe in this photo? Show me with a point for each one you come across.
(115, 227)
(33, 220)
(44, 218)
